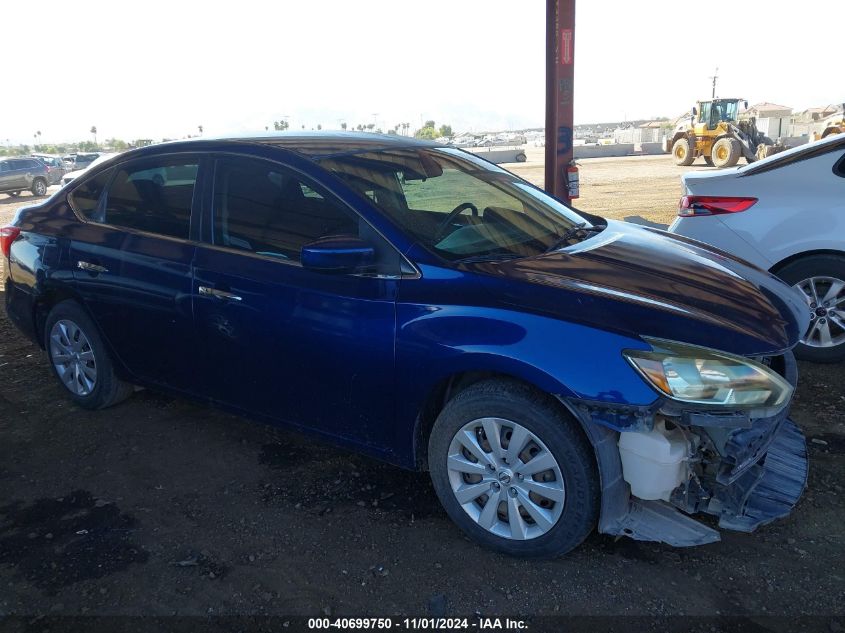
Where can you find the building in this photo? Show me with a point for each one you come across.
(773, 120)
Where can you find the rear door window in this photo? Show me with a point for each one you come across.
(155, 197)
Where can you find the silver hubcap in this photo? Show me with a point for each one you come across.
(40, 188)
(73, 358)
(825, 297)
(505, 478)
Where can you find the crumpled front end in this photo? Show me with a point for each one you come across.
(663, 465)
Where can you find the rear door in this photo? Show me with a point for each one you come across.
(311, 348)
(132, 264)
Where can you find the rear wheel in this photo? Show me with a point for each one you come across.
(821, 279)
(683, 152)
(39, 187)
(514, 471)
(79, 358)
(726, 152)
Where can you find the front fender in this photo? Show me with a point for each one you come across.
(567, 360)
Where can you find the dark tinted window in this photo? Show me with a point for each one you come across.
(4, 166)
(86, 197)
(261, 208)
(839, 167)
(152, 197)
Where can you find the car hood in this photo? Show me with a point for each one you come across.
(646, 282)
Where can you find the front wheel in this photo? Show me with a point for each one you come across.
(514, 471)
(726, 152)
(821, 279)
(79, 358)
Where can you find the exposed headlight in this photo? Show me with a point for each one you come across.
(705, 376)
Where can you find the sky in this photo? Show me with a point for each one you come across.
(161, 69)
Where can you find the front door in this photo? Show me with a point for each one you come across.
(310, 348)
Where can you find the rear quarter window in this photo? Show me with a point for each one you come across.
(85, 199)
(839, 167)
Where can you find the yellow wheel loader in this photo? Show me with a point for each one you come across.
(834, 125)
(716, 132)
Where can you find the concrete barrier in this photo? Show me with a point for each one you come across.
(500, 155)
(603, 151)
(652, 148)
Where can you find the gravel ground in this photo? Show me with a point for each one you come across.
(162, 506)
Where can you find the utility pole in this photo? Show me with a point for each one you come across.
(560, 94)
(714, 78)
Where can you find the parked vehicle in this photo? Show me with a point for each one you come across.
(785, 214)
(68, 177)
(19, 174)
(81, 161)
(554, 371)
(55, 167)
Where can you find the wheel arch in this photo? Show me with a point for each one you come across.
(45, 301)
(776, 268)
(448, 387)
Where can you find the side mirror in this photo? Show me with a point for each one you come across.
(337, 254)
(746, 105)
(694, 111)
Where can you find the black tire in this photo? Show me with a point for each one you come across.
(726, 152)
(14, 194)
(795, 272)
(544, 418)
(708, 160)
(521, 158)
(39, 187)
(683, 152)
(108, 389)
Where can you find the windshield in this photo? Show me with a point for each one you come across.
(458, 205)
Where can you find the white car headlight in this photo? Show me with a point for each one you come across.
(700, 375)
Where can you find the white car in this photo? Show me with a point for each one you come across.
(786, 214)
(73, 174)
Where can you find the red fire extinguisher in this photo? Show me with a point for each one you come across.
(573, 184)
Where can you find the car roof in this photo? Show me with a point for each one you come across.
(832, 143)
(316, 144)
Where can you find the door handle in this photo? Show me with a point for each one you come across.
(220, 294)
(91, 268)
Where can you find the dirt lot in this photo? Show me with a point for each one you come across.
(162, 506)
(630, 188)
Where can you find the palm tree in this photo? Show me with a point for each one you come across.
(343, 126)
(199, 127)
(93, 131)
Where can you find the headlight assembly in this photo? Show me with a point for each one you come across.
(705, 376)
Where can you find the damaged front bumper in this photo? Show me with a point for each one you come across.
(746, 472)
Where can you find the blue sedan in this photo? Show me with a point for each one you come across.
(555, 372)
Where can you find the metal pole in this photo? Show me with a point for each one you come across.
(560, 91)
